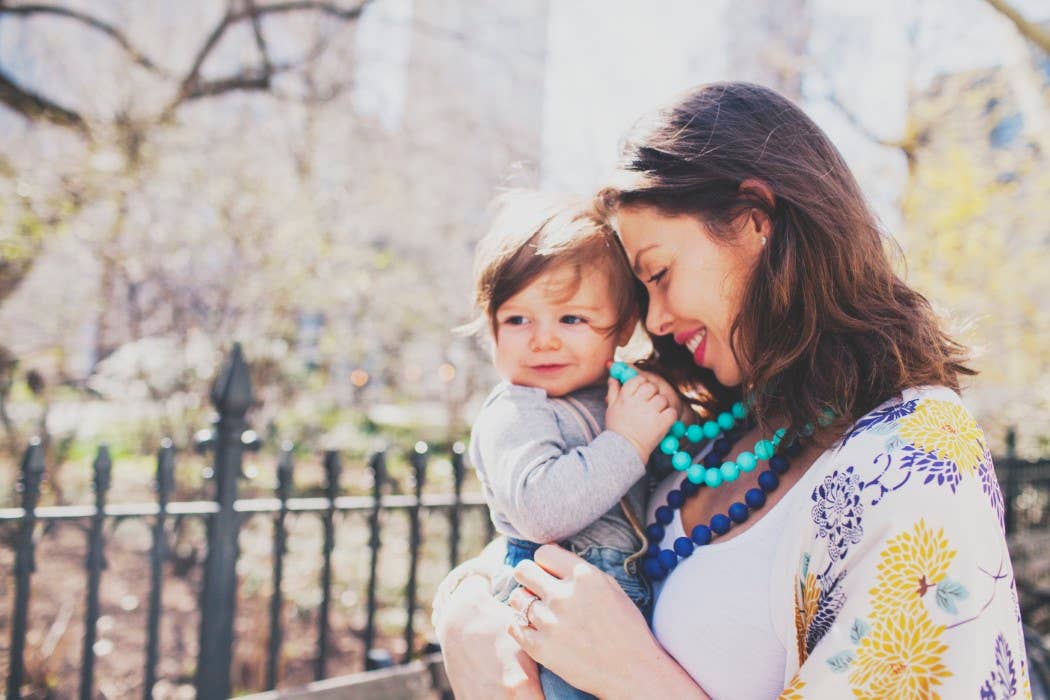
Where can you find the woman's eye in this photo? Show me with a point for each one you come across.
(657, 277)
(572, 320)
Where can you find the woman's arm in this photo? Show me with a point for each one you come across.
(585, 629)
(481, 659)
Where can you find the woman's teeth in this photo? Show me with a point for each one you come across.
(693, 343)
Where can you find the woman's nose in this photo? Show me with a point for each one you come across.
(657, 320)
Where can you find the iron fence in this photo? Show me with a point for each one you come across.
(223, 517)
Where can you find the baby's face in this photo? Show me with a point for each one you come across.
(552, 340)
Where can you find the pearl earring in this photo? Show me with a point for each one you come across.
(763, 241)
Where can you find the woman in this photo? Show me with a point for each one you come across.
(868, 558)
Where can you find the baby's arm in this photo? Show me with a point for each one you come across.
(545, 489)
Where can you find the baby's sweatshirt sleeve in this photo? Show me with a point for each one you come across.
(547, 490)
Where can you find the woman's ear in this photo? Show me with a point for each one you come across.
(758, 220)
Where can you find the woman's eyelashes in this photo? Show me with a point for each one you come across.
(655, 279)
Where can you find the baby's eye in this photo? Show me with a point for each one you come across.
(514, 321)
(572, 320)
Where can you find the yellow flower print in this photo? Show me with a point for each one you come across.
(805, 610)
(911, 564)
(794, 689)
(900, 657)
(946, 429)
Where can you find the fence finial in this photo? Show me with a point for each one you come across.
(232, 391)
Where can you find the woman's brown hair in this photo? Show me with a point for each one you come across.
(825, 323)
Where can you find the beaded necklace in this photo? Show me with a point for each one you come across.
(723, 430)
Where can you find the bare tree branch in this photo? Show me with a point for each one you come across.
(106, 28)
(1029, 30)
(907, 146)
(36, 107)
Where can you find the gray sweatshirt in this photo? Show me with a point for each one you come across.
(546, 480)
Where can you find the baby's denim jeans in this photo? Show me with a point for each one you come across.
(611, 561)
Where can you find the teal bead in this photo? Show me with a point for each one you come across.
(781, 432)
(678, 429)
(764, 449)
(616, 371)
(807, 430)
(713, 478)
(726, 421)
(711, 430)
(695, 474)
(628, 374)
(746, 461)
(669, 445)
(730, 471)
(827, 417)
(694, 433)
(739, 410)
(681, 460)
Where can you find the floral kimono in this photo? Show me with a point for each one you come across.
(902, 583)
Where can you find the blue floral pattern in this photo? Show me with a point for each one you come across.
(837, 511)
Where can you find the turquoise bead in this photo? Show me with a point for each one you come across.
(681, 460)
(739, 410)
(726, 421)
(616, 371)
(807, 430)
(669, 445)
(730, 471)
(628, 374)
(711, 430)
(780, 433)
(764, 449)
(694, 433)
(695, 474)
(827, 417)
(746, 461)
(678, 429)
(713, 478)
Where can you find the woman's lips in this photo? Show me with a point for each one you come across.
(695, 342)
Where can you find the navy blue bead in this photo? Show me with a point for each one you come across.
(664, 515)
(701, 535)
(793, 449)
(768, 481)
(738, 512)
(721, 524)
(755, 498)
(689, 488)
(778, 463)
(683, 546)
(652, 550)
(654, 532)
(712, 460)
(653, 569)
(668, 560)
(675, 498)
(721, 447)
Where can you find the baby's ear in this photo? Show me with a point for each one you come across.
(626, 333)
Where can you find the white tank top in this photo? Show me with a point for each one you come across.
(712, 613)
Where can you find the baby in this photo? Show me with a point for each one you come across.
(557, 296)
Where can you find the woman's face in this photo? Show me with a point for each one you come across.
(695, 282)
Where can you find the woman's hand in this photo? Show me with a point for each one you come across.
(482, 660)
(584, 628)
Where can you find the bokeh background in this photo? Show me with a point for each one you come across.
(310, 178)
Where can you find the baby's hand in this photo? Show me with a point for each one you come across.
(639, 412)
(682, 409)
